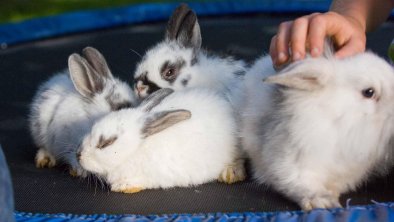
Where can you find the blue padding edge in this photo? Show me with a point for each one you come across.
(11, 33)
(376, 212)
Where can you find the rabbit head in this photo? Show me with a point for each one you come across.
(95, 83)
(170, 63)
(117, 136)
(359, 85)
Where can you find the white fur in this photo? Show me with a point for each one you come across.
(60, 117)
(188, 153)
(315, 141)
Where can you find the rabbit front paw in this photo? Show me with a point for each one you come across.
(234, 172)
(79, 172)
(124, 188)
(44, 159)
(323, 201)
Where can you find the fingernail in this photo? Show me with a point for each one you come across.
(315, 52)
(281, 57)
(296, 56)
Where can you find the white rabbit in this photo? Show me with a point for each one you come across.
(178, 62)
(185, 139)
(323, 128)
(66, 106)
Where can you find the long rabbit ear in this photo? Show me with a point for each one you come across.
(304, 75)
(183, 28)
(84, 77)
(97, 61)
(155, 99)
(163, 120)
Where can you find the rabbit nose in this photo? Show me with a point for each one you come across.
(140, 89)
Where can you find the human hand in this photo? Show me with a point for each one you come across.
(306, 34)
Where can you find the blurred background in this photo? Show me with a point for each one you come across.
(19, 10)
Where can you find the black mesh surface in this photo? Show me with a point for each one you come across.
(24, 67)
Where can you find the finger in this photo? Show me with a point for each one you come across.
(273, 52)
(316, 35)
(282, 42)
(298, 38)
(334, 26)
(350, 48)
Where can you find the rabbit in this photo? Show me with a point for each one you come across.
(172, 139)
(66, 106)
(321, 127)
(178, 62)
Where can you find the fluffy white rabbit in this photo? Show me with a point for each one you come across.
(66, 106)
(323, 128)
(178, 63)
(183, 139)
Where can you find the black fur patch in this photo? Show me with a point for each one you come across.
(186, 81)
(239, 73)
(152, 87)
(194, 61)
(105, 142)
(170, 71)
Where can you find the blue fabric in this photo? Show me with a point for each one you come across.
(34, 29)
(6, 194)
(378, 212)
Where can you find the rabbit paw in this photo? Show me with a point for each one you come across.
(44, 159)
(126, 189)
(320, 202)
(78, 172)
(132, 190)
(234, 172)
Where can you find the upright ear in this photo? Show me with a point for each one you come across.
(155, 99)
(162, 120)
(84, 77)
(303, 75)
(97, 61)
(183, 28)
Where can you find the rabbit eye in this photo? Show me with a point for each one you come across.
(169, 73)
(106, 142)
(368, 93)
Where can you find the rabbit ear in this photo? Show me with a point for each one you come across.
(303, 75)
(97, 61)
(84, 77)
(154, 99)
(183, 27)
(162, 120)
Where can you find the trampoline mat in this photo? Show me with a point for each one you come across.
(24, 67)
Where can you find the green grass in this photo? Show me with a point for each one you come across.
(18, 10)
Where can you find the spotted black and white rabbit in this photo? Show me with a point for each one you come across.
(171, 139)
(322, 128)
(66, 106)
(178, 63)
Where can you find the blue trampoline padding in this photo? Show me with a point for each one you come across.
(45, 27)
(376, 212)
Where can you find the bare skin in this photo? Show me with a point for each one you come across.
(346, 23)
